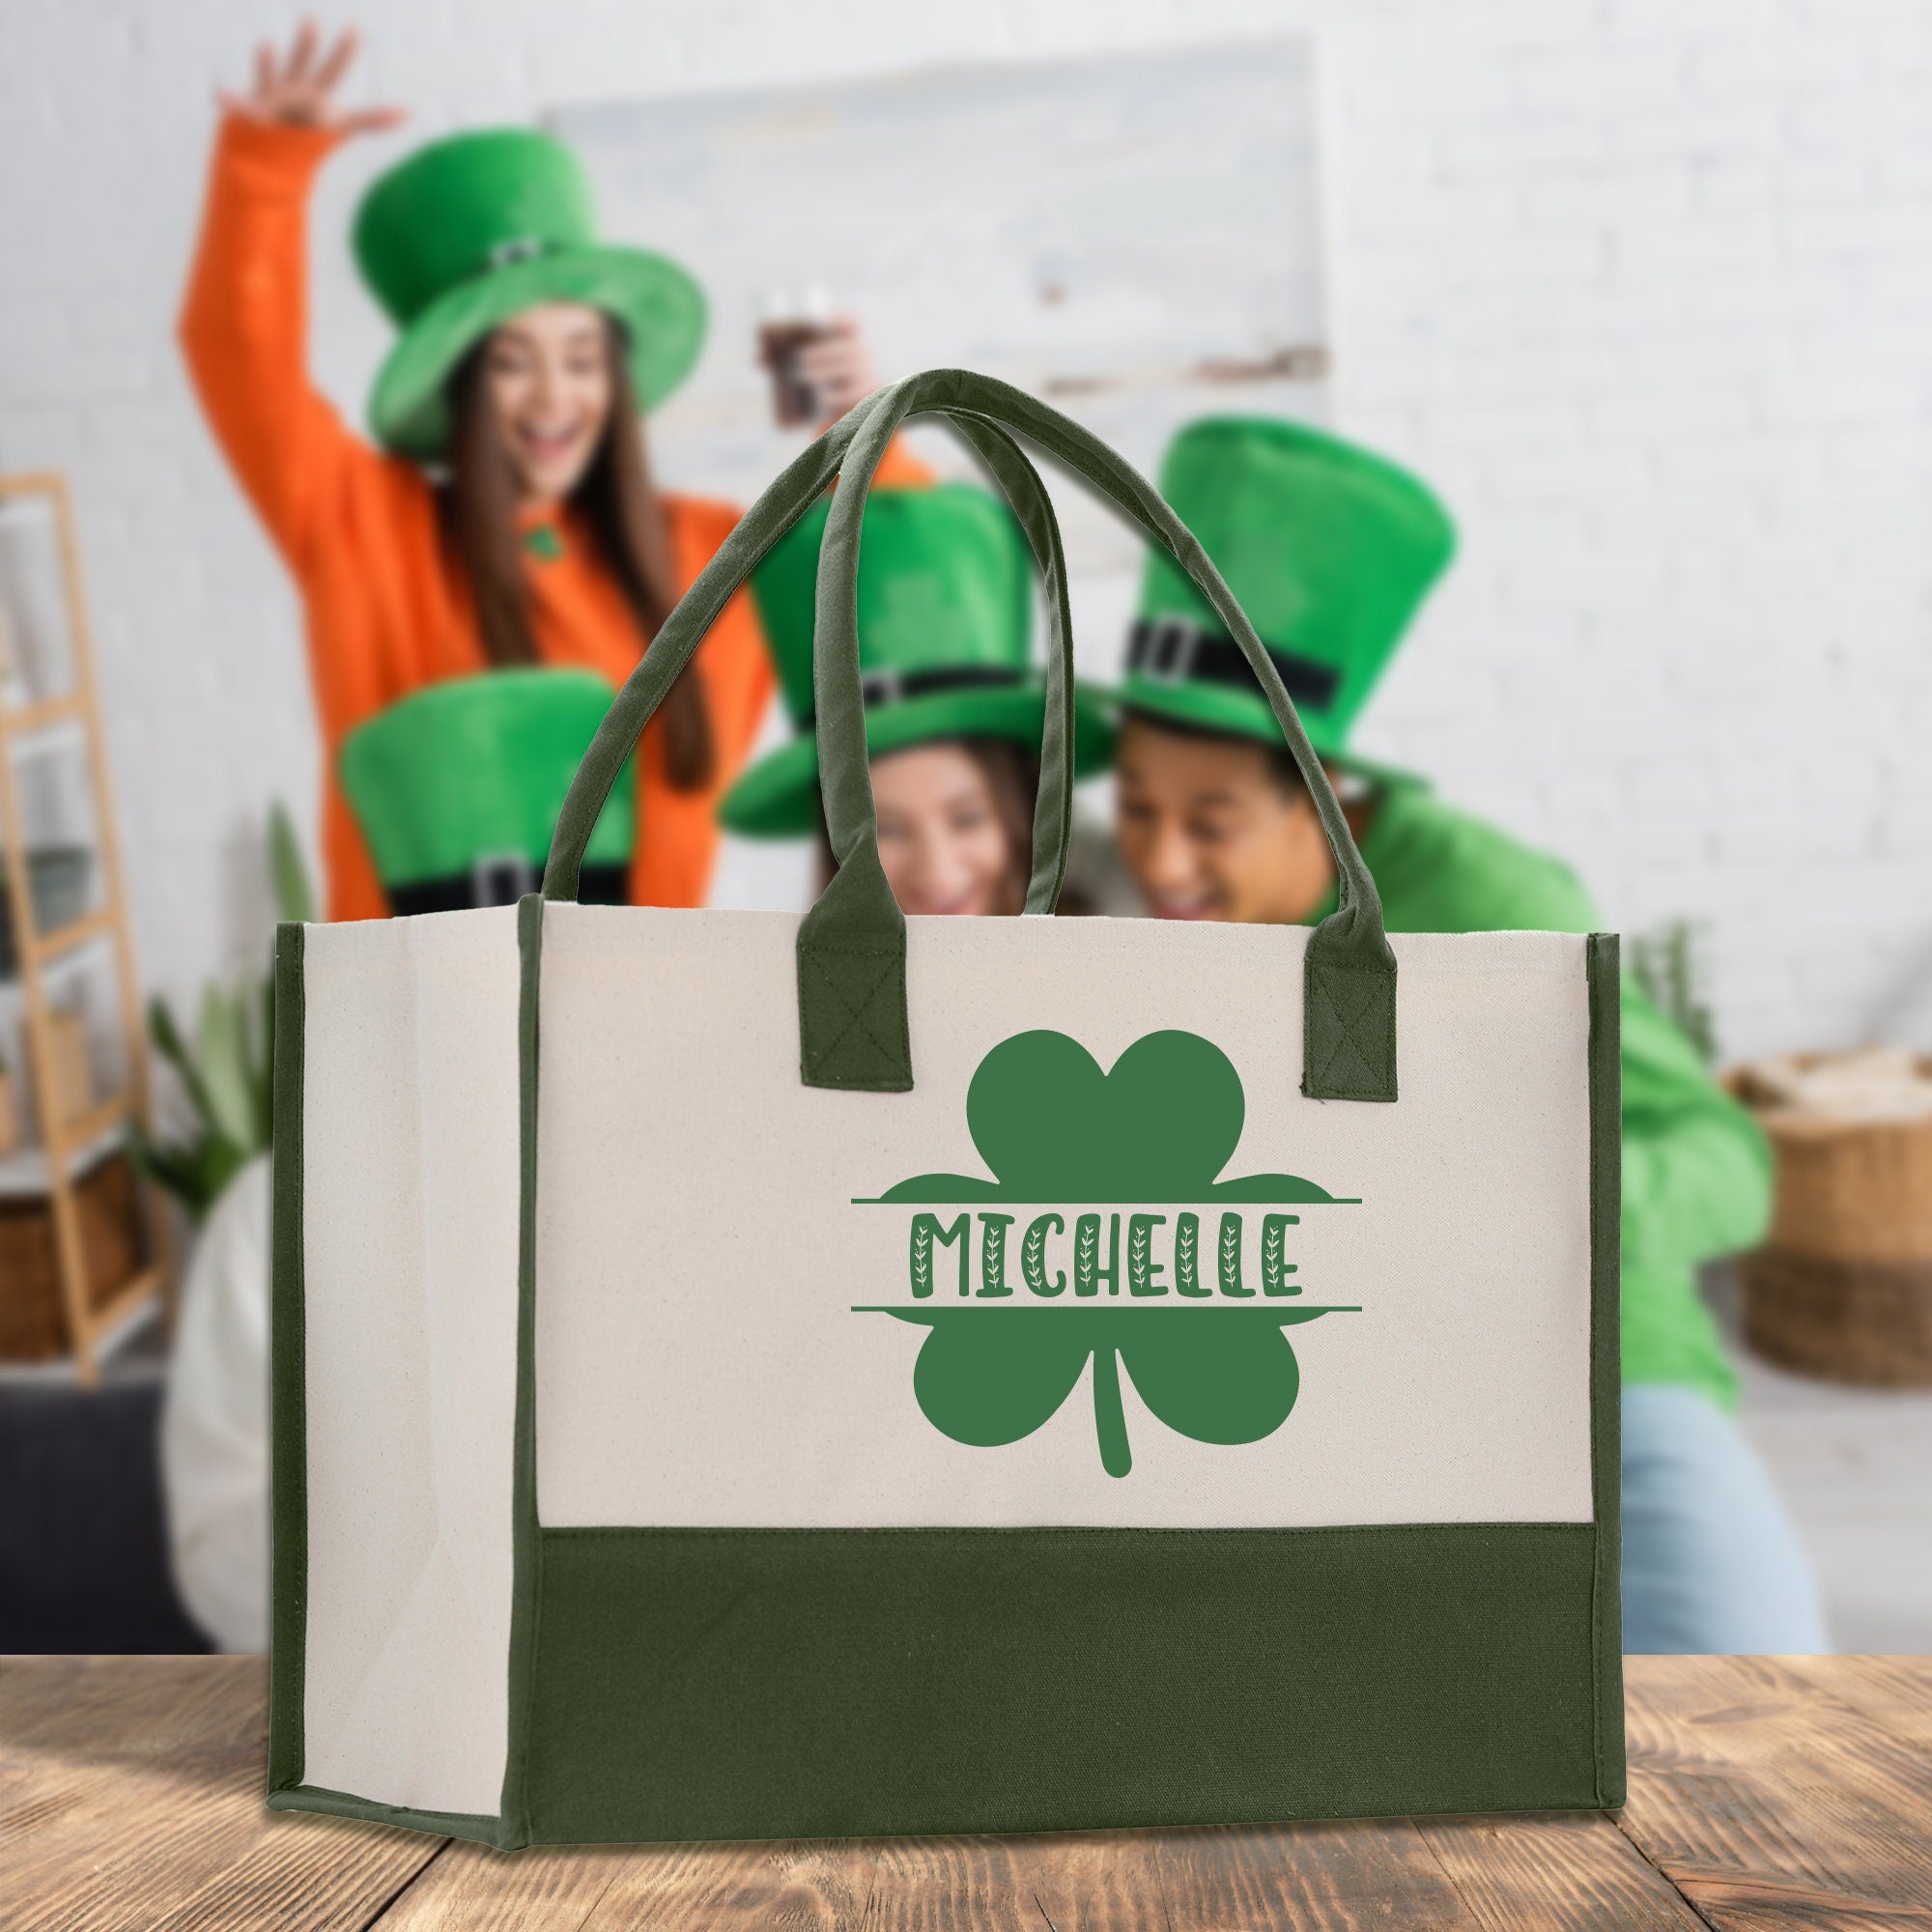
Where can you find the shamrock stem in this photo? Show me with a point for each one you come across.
(1110, 1422)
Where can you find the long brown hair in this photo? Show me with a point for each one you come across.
(1013, 779)
(627, 522)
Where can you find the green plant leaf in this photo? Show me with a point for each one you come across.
(194, 1173)
(294, 894)
(221, 1160)
(221, 1058)
(164, 1032)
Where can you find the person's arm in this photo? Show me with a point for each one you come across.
(243, 326)
(1697, 1170)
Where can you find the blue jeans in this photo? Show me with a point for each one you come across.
(1711, 1561)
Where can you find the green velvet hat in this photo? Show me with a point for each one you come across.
(456, 789)
(471, 230)
(1328, 548)
(945, 623)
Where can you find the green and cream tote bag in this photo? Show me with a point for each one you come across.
(746, 1376)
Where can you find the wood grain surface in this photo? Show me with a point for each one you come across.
(1766, 1795)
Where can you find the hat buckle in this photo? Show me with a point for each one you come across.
(500, 878)
(518, 248)
(1167, 650)
(885, 686)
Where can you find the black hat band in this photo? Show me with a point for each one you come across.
(1176, 650)
(501, 880)
(891, 687)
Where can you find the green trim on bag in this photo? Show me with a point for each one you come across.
(525, 1542)
(288, 1435)
(1601, 955)
(474, 1825)
(726, 1684)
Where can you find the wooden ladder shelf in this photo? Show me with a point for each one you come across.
(70, 1144)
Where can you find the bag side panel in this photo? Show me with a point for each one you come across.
(409, 1257)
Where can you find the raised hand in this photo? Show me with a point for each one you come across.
(838, 367)
(299, 90)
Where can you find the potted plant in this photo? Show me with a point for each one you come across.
(226, 1068)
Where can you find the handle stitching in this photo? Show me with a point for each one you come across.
(888, 958)
(1371, 1076)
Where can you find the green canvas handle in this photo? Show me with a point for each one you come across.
(851, 950)
(852, 1022)
(1349, 977)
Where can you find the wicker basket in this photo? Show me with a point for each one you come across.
(33, 1318)
(1842, 1288)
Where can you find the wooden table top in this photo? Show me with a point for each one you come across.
(1784, 1794)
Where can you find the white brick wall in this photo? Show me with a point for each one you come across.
(1646, 288)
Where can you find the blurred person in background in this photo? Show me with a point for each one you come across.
(509, 516)
(954, 702)
(474, 590)
(1329, 550)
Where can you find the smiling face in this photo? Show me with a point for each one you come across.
(547, 372)
(946, 832)
(1210, 829)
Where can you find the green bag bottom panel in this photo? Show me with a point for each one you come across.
(751, 1683)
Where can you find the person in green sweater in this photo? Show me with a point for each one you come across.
(1329, 550)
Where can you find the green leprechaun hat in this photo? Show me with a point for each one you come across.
(456, 789)
(1328, 548)
(944, 625)
(471, 230)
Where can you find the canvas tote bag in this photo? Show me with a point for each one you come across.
(741, 1375)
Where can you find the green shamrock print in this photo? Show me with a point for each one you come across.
(1214, 1363)
(1160, 1126)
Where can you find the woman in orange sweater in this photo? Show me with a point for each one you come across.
(528, 353)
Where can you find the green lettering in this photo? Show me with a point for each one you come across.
(1033, 1257)
(993, 1280)
(1231, 1258)
(1088, 1273)
(1275, 1266)
(1143, 1270)
(1187, 1255)
(925, 1229)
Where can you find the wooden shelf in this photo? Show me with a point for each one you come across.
(68, 1148)
(49, 947)
(126, 1301)
(27, 1174)
(49, 711)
